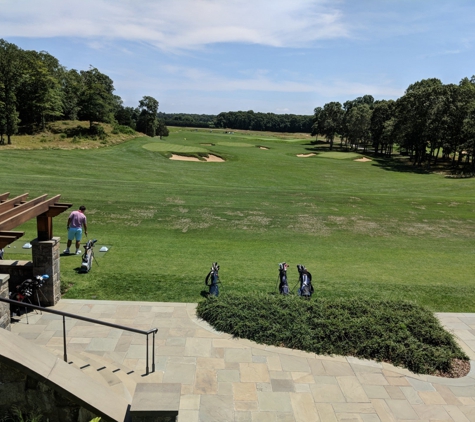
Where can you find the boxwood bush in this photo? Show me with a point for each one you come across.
(400, 333)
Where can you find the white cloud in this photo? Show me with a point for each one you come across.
(177, 24)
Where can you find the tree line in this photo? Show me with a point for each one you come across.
(36, 89)
(249, 120)
(431, 121)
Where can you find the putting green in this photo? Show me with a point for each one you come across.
(235, 144)
(164, 147)
(339, 155)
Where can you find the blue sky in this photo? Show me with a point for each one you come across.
(280, 56)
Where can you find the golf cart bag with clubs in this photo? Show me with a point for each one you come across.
(283, 282)
(28, 290)
(305, 280)
(88, 256)
(212, 280)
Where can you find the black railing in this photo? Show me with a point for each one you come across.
(93, 321)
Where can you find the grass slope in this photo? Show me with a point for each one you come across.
(371, 230)
(400, 333)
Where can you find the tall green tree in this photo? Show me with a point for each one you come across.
(359, 124)
(10, 77)
(71, 86)
(332, 116)
(39, 95)
(96, 99)
(383, 111)
(148, 120)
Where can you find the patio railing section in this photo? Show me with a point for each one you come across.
(65, 315)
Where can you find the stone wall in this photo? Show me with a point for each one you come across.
(4, 307)
(17, 270)
(32, 397)
(46, 261)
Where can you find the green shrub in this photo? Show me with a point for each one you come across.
(127, 130)
(401, 333)
(63, 136)
(98, 131)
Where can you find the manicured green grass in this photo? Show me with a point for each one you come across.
(340, 155)
(364, 230)
(167, 147)
(400, 333)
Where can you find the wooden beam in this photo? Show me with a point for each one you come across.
(4, 196)
(6, 240)
(20, 208)
(27, 212)
(55, 210)
(11, 233)
(11, 203)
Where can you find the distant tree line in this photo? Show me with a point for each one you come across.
(188, 120)
(431, 121)
(36, 89)
(249, 120)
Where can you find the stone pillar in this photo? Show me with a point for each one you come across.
(46, 261)
(4, 307)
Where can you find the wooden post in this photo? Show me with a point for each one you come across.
(44, 225)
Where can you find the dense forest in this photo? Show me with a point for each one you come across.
(430, 122)
(36, 89)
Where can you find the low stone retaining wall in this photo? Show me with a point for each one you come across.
(33, 397)
(4, 307)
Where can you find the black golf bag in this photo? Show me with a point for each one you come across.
(212, 280)
(28, 290)
(305, 280)
(283, 282)
(88, 256)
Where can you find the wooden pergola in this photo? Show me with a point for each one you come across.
(16, 211)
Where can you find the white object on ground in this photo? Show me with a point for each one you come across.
(103, 249)
(27, 246)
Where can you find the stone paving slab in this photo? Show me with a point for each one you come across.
(224, 379)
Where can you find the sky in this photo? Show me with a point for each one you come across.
(278, 56)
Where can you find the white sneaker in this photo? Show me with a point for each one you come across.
(78, 252)
(66, 252)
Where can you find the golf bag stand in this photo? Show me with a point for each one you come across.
(305, 279)
(212, 280)
(88, 256)
(283, 281)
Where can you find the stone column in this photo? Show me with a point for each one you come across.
(46, 261)
(4, 307)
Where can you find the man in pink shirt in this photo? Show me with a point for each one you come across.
(76, 222)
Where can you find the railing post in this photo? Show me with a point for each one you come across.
(64, 339)
(153, 352)
(147, 356)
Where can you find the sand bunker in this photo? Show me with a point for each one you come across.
(263, 148)
(364, 159)
(210, 158)
(305, 155)
(214, 159)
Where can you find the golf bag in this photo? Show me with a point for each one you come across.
(27, 290)
(283, 282)
(305, 280)
(88, 256)
(212, 280)
(1, 253)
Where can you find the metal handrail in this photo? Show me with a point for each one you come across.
(94, 321)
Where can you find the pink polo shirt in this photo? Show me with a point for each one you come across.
(76, 219)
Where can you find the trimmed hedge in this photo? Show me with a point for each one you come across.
(401, 333)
